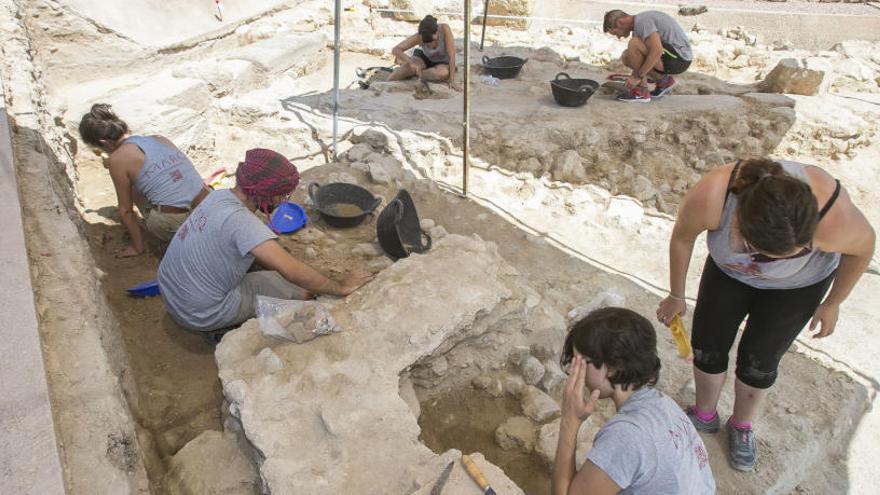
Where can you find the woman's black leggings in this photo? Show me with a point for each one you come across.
(776, 317)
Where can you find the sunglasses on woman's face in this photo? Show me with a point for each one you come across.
(759, 257)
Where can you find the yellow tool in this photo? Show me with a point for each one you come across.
(680, 336)
(477, 475)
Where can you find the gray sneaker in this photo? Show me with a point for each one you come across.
(741, 445)
(711, 426)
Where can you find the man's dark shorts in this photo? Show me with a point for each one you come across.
(672, 61)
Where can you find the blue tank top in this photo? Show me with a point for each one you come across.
(167, 178)
(791, 273)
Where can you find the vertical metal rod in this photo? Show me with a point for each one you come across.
(485, 14)
(337, 20)
(467, 95)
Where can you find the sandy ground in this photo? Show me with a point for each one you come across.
(221, 98)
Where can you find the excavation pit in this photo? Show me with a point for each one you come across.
(500, 278)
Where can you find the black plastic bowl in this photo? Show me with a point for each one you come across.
(398, 228)
(506, 67)
(342, 204)
(570, 92)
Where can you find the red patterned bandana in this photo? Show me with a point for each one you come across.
(265, 174)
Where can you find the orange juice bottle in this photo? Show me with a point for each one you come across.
(681, 338)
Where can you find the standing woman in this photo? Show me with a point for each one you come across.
(433, 60)
(146, 170)
(780, 234)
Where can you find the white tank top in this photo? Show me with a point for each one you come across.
(789, 273)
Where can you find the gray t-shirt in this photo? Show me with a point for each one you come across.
(200, 274)
(650, 447)
(671, 33)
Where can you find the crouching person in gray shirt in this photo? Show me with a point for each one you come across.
(204, 279)
(650, 445)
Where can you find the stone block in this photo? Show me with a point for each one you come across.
(538, 405)
(517, 433)
(791, 76)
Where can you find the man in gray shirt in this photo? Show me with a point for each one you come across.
(203, 277)
(650, 446)
(658, 49)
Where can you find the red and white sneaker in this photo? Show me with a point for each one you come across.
(636, 95)
(663, 86)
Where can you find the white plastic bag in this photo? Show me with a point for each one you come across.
(293, 320)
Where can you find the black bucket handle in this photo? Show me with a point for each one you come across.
(562, 74)
(314, 187)
(485, 60)
(426, 246)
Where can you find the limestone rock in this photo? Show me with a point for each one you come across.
(379, 264)
(426, 224)
(359, 152)
(517, 433)
(366, 250)
(212, 464)
(554, 378)
(569, 167)
(602, 299)
(689, 10)
(418, 9)
(513, 385)
(383, 172)
(437, 233)
(792, 77)
(643, 189)
(305, 418)
(377, 140)
(482, 382)
(521, 8)
(532, 370)
(538, 405)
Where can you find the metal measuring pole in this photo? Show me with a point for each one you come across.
(467, 96)
(336, 29)
(485, 14)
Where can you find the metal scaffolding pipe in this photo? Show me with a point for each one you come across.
(337, 21)
(467, 96)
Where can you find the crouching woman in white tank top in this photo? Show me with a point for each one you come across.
(780, 234)
(433, 60)
(146, 170)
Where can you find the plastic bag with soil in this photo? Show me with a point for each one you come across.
(293, 320)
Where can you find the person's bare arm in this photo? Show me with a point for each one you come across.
(655, 51)
(123, 163)
(399, 51)
(700, 210)
(844, 230)
(450, 52)
(271, 255)
(575, 410)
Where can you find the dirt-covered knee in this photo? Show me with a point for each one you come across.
(712, 362)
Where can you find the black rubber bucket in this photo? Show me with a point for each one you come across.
(342, 204)
(570, 92)
(506, 67)
(398, 228)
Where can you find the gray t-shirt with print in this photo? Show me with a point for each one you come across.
(200, 274)
(650, 447)
(670, 32)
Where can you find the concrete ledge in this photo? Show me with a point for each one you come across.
(29, 459)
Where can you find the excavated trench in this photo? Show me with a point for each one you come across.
(169, 377)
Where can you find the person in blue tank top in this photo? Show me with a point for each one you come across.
(433, 60)
(780, 234)
(146, 170)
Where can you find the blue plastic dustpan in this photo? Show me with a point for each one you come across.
(288, 217)
(145, 289)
